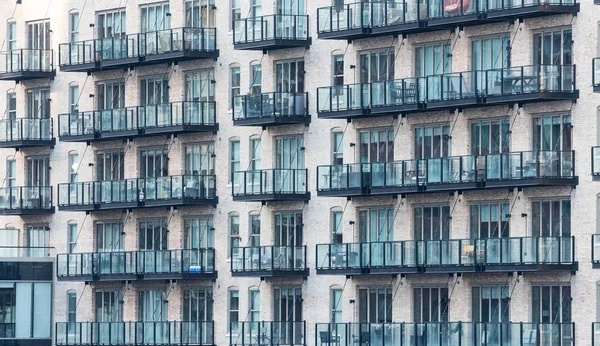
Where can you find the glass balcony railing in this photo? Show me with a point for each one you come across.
(470, 171)
(262, 259)
(26, 60)
(135, 333)
(25, 198)
(362, 19)
(277, 27)
(271, 107)
(275, 182)
(517, 251)
(441, 91)
(596, 161)
(445, 334)
(159, 262)
(178, 40)
(140, 190)
(268, 333)
(25, 251)
(99, 50)
(134, 121)
(24, 129)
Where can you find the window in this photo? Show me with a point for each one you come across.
(376, 146)
(288, 229)
(200, 14)
(552, 304)
(491, 304)
(254, 305)
(376, 66)
(490, 220)
(153, 306)
(433, 59)
(154, 162)
(553, 47)
(432, 222)
(38, 238)
(287, 307)
(155, 17)
(337, 227)
(11, 102)
(338, 70)
(154, 90)
(255, 162)
(432, 142)
(336, 306)
(112, 24)
(73, 27)
(11, 173)
(199, 159)
(490, 53)
(108, 306)
(38, 35)
(234, 233)
(38, 171)
(38, 104)
(199, 86)
(12, 36)
(552, 133)
(109, 236)
(289, 152)
(551, 218)
(236, 12)
(490, 137)
(375, 305)
(289, 76)
(72, 236)
(337, 148)
(153, 235)
(199, 233)
(431, 304)
(74, 98)
(256, 79)
(73, 167)
(292, 7)
(110, 166)
(198, 305)
(9, 240)
(376, 225)
(26, 310)
(254, 230)
(111, 95)
(234, 311)
(234, 158)
(71, 306)
(235, 83)
(256, 8)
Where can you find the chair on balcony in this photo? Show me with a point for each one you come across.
(329, 339)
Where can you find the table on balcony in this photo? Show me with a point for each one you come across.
(512, 84)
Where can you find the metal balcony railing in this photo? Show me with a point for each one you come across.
(514, 251)
(273, 258)
(105, 122)
(279, 181)
(135, 333)
(178, 40)
(185, 261)
(271, 27)
(445, 334)
(191, 113)
(24, 129)
(27, 60)
(270, 105)
(268, 333)
(26, 197)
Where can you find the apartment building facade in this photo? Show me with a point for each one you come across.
(294, 172)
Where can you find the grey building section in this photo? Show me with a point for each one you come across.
(293, 172)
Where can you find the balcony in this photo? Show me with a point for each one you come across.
(26, 64)
(170, 191)
(596, 251)
(135, 333)
(186, 264)
(451, 91)
(278, 31)
(271, 109)
(490, 255)
(449, 174)
(142, 121)
(26, 200)
(278, 184)
(268, 333)
(398, 17)
(26, 133)
(157, 47)
(269, 261)
(445, 334)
